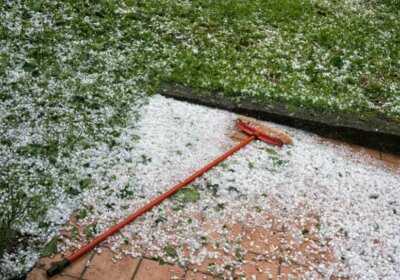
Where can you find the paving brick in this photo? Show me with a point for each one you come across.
(190, 275)
(220, 232)
(46, 262)
(265, 219)
(217, 233)
(221, 257)
(293, 272)
(277, 225)
(66, 230)
(62, 277)
(124, 248)
(111, 241)
(305, 251)
(258, 268)
(40, 274)
(235, 231)
(150, 254)
(262, 241)
(77, 267)
(103, 268)
(305, 227)
(37, 274)
(151, 270)
(211, 265)
(214, 228)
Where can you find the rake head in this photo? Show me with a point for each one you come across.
(262, 132)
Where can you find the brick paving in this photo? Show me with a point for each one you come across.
(268, 250)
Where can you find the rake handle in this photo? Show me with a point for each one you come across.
(57, 268)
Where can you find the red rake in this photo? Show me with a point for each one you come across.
(251, 128)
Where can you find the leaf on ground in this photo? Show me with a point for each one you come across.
(219, 207)
(50, 249)
(271, 151)
(85, 183)
(239, 256)
(90, 230)
(74, 233)
(116, 133)
(186, 195)
(228, 267)
(160, 261)
(145, 159)
(72, 191)
(233, 189)
(211, 267)
(160, 219)
(135, 137)
(81, 214)
(170, 252)
(125, 192)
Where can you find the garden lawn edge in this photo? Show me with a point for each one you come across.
(375, 134)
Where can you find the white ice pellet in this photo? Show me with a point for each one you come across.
(355, 200)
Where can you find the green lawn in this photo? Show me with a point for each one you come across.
(70, 70)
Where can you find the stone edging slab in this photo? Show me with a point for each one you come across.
(351, 131)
